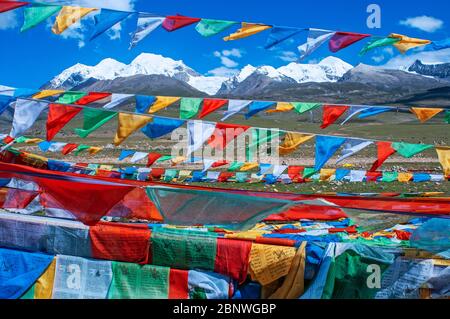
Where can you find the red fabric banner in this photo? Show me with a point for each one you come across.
(384, 150)
(69, 148)
(224, 176)
(178, 284)
(341, 40)
(120, 242)
(58, 116)
(295, 173)
(232, 258)
(225, 133)
(172, 23)
(331, 113)
(309, 212)
(11, 5)
(152, 158)
(210, 105)
(92, 97)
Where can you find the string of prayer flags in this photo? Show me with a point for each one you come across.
(25, 114)
(106, 19)
(377, 42)
(209, 27)
(93, 119)
(127, 124)
(58, 116)
(146, 23)
(409, 150)
(341, 40)
(162, 102)
(68, 16)
(172, 23)
(301, 108)
(331, 113)
(280, 34)
(292, 141)
(37, 13)
(406, 43)
(316, 37)
(211, 105)
(384, 150)
(11, 5)
(189, 107)
(161, 126)
(258, 106)
(424, 114)
(143, 103)
(234, 107)
(246, 30)
(326, 146)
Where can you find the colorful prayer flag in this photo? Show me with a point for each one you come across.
(209, 27)
(341, 40)
(93, 119)
(58, 116)
(36, 13)
(246, 30)
(68, 16)
(146, 23)
(172, 23)
(210, 105)
(127, 124)
(331, 113)
(106, 19)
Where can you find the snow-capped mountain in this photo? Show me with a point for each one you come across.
(328, 70)
(144, 64)
(441, 70)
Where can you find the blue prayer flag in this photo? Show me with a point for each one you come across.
(326, 146)
(257, 106)
(280, 34)
(143, 103)
(107, 19)
(161, 126)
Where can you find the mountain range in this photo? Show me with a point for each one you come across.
(330, 80)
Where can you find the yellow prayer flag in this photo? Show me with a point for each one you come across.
(94, 150)
(106, 167)
(404, 177)
(177, 160)
(34, 140)
(128, 123)
(46, 93)
(269, 262)
(282, 107)
(407, 43)
(68, 16)
(326, 173)
(444, 159)
(248, 167)
(424, 114)
(246, 30)
(292, 141)
(44, 285)
(162, 102)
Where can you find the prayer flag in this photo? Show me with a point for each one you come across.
(351, 147)
(93, 119)
(36, 13)
(304, 107)
(409, 150)
(406, 43)
(146, 23)
(258, 106)
(316, 37)
(424, 114)
(444, 159)
(326, 146)
(198, 133)
(331, 113)
(106, 19)
(209, 27)
(127, 124)
(234, 106)
(11, 5)
(341, 40)
(225, 133)
(143, 103)
(189, 107)
(162, 102)
(92, 97)
(210, 105)
(246, 30)
(70, 97)
(58, 116)
(68, 16)
(377, 42)
(292, 141)
(25, 114)
(172, 23)
(280, 34)
(384, 150)
(161, 126)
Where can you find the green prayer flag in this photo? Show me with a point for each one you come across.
(92, 120)
(304, 107)
(70, 97)
(35, 14)
(29, 294)
(260, 138)
(134, 281)
(447, 117)
(209, 27)
(389, 177)
(308, 172)
(170, 174)
(183, 249)
(378, 42)
(21, 139)
(241, 177)
(81, 148)
(235, 166)
(189, 107)
(164, 158)
(409, 150)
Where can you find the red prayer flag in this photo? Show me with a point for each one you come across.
(178, 284)
(225, 176)
(225, 133)
(152, 157)
(373, 176)
(11, 5)
(58, 116)
(156, 173)
(384, 151)
(219, 163)
(312, 212)
(341, 40)
(172, 23)
(295, 173)
(69, 148)
(232, 257)
(331, 113)
(92, 97)
(121, 242)
(210, 105)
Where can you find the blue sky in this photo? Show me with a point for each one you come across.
(30, 59)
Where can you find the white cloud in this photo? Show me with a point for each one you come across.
(228, 62)
(8, 20)
(402, 61)
(225, 55)
(223, 71)
(237, 53)
(288, 56)
(378, 58)
(424, 23)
